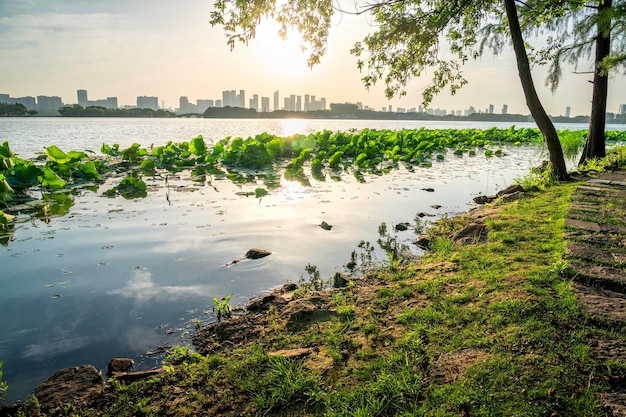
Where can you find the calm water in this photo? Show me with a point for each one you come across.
(118, 278)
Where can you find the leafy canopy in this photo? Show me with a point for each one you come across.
(407, 41)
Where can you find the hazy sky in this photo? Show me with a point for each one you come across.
(164, 48)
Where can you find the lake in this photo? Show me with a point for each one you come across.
(120, 278)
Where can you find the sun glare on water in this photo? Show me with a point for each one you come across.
(290, 127)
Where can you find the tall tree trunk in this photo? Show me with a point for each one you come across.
(557, 161)
(595, 145)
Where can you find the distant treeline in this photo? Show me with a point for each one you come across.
(97, 111)
(351, 111)
(13, 110)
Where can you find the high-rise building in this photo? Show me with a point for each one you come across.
(265, 104)
(202, 105)
(254, 102)
(299, 103)
(491, 109)
(622, 110)
(241, 99)
(568, 111)
(276, 102)
(307, 102)
(505, 109)
(227, 99)
(233, 98)
(82, 98)
(322, 103)
(148, 102)
(29, 102)
(47, 104)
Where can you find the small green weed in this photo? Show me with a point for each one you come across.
(223, 307)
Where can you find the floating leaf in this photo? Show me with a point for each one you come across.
(57, 155)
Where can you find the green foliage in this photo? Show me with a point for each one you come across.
(15, 110)
(98, 111)
(130, 187)
(223, 307)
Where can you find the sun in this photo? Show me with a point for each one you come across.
(282, 57)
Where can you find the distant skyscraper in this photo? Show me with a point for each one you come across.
(322, 103)
(254, 102)
(622, 110)
(265, 104)
(202, 105)
(241, 99)
(307, 102)
(568, 110)
(47, 104)
(299, 103)
(183, 103)
(227, 100)
(82, 98)
(148, 102)
(505, 109)
(111, 102)
(491, 109)
(276, 100)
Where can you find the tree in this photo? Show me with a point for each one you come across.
(579, 27)
(406, 43)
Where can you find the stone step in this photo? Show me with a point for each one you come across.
(614, 403)
(593, 253)
(582, 225)
(604, 304)
(598, 239)
(605, 277)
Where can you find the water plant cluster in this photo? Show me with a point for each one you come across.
(47, 182)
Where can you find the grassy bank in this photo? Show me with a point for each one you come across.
(482, 329)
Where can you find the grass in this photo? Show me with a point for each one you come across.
(481, 330)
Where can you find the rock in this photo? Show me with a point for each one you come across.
(130, 377)
(513, 196)
(423, 241)
(119, 366)
(67, 385)
(256, 253)
(436, 206)
(340, 280)
(351, 265)
(401, 227)
(473, 233)
(429, 190)
(422, 214)
(483, 199)
(292, 353)
(261, 303)
(325, 226)
(515, 188)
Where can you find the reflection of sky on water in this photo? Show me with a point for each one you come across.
(114, 276)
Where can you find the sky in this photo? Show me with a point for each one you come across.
(130, 48)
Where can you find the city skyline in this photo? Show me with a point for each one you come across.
(172, 51)
(292, 102)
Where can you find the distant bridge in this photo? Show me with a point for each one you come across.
(191, 115)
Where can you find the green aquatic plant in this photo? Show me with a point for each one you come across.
(130, 187)
(222, 307)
